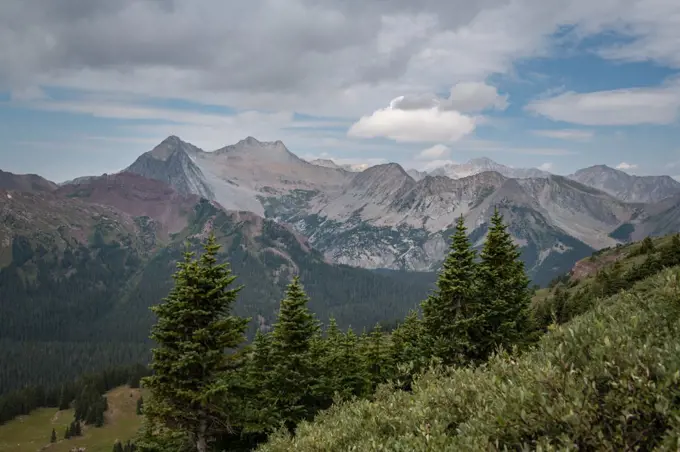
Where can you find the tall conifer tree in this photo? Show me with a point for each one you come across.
(504, 292)
(451, 314)
(195, 329)
(407, 349)
(294, 371)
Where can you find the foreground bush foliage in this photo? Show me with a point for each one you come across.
(607, 380)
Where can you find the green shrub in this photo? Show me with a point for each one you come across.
(607, 380)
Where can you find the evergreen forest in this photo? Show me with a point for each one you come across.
(483, 363)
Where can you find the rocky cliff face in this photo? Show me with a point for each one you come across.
(626, 187)
(171, 162)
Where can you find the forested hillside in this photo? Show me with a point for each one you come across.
(609, 380)
(77, 275)
(566, 391)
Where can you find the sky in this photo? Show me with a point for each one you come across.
(86, 86)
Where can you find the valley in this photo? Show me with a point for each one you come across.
(82, 262)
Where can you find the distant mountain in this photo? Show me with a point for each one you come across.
(171, 162)
(647, 189)
(483, 164)
(385, 217)
(328, 163)
(25, 182)
(416, 175)
(137, 196)
(82, 265)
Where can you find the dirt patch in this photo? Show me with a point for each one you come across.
(121, 400)
(590, 266)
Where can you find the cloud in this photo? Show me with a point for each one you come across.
(623, 166)
(566, 134)
(438, 151)
(546, 166)
(614, 107)
(473, 97)
(329, 56)
(466, 97)
(414, 125)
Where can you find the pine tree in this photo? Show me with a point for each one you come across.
(407, 349)
(293, 372)
(450, 315)
(353, 378)
(67, 433)
(140, 405)
(377, 358)
(53, 437)
(647, 246)
(670, 254)
(329, 352)
(194, 329)
(504, 294)
(64, 399)
(77, 430)
(258, 409)
(118, 447)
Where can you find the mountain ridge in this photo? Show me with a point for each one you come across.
(627, 187)
(388, 217)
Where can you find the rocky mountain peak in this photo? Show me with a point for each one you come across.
(172, 162)
(171, 146)
(385, 181)
(627, 187)
(251, 148)
(326, 163)
(25, 182)
(482, 164)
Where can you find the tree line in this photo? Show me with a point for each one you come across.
(203, 398)
(84, 394)
(566, 301)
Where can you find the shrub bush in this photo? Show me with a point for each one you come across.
(607, 380)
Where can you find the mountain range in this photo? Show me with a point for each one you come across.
(387, 217)
(384, 217)
(82, 261)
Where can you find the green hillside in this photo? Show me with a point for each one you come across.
(77, 280)
(607, 380)
(32, 432)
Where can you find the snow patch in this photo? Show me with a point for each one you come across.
(231, 196)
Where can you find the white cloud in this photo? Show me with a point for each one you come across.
(415, 125)
(465, 97)
(348, 56)
(566, 134)
(615, 107)
(547, 166)
(623, 166)
(436, 152)
(474, 96)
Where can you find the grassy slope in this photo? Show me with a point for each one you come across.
(626, 346)
(624, 254)
(31, 433)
